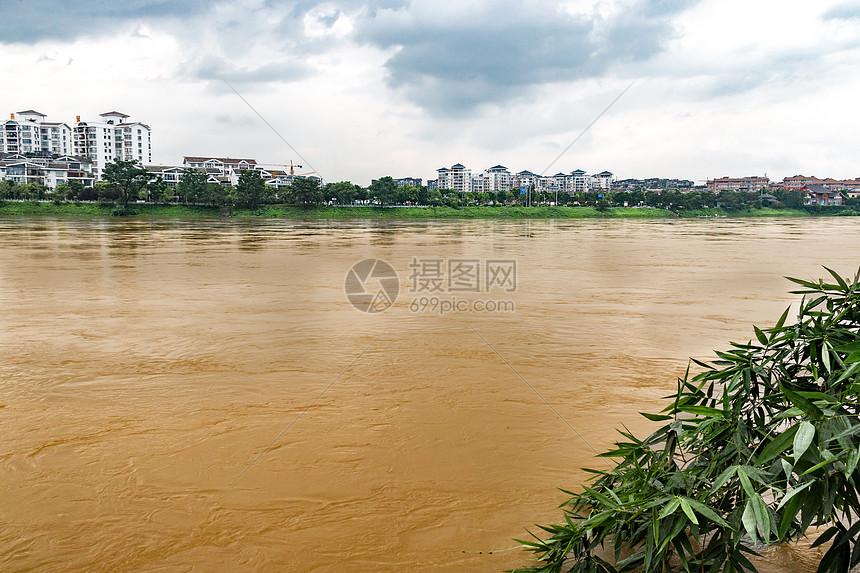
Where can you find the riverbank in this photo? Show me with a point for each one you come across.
(35, 209)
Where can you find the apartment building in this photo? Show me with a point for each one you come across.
(497, 178)
(113, 137)
(524, 179)
(803, 182)
(223, 164)
(602, 181)
(480, 184)
(458, 178)
(748, 184)
(29, 132)
(408, 182)
(48, 171)
(576, 182)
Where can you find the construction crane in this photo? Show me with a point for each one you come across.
(291, 165)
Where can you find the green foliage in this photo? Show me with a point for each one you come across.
(192, 187)
(158, 191)
(343, 192)
(106, 192)
(251, 190)
(126, 180)
(220, 195)
(384, 190)
(305, 192)
(62, 192)
(758, 447)
(434, 197)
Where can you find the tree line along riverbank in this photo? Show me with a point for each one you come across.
(280, 211)
(128, 189)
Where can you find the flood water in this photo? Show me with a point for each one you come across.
(201, 395)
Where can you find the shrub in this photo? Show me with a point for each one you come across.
(759, 446)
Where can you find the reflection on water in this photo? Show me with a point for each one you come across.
(148, 364)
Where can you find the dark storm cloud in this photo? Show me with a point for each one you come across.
(491, 54)
(31, 21)
(448, 59)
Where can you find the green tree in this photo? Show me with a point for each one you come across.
(62, 192)
(761, 445)
(160, 192)
(219, 195)
(434, 197)
(305, 191)
(8, 189)
(76, 190)
(793, 199)
(127, 179)
(408, 194)
(383, 190)
(343, 192)
(192, 187)
(251, 189)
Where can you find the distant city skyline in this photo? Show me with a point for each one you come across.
(403, 87)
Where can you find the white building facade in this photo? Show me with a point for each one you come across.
(577, 182)
(28, 132)
(457, 178)
(602, 181)
(111, 138)
(49, 172)
(497, 179)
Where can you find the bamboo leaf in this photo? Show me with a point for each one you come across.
(777, 445)
(689, 511)
(762, 337)
(701, 410)
(808, 407)
(723, 478)
(670, 508)
(838, 278)
(851, 464)
(787, 497)
(746, 483)
(802, 439)
(749, 521)
(781, 320)
(707, 512)
(655, 417)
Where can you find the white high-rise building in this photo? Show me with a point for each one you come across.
(576, 182)
(479, 183)
(524, 180)
(497, 179)
(28, 132)
(602, 180)
(458, 178)
(113, 137)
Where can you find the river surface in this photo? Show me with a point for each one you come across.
(201, 395)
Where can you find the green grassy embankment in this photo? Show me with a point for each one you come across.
(35, 209)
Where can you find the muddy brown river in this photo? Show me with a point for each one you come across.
(203, 396)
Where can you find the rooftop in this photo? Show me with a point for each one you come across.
(189, 159)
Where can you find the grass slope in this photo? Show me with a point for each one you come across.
(31, 209)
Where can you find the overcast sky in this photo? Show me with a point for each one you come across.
(363, 89)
